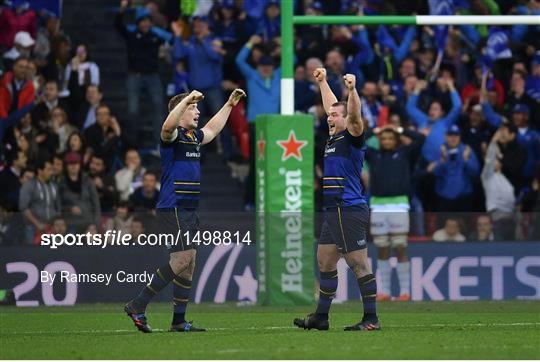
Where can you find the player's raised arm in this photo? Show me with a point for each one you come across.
(216, 123)
(170, 126)
(328, 97)
(355, 126)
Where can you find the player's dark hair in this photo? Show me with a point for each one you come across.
(176, 99)
(344, 105)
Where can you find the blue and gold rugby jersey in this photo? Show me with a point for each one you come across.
(343, 160)
(181, 170)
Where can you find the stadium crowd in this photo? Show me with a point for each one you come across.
(457, 107)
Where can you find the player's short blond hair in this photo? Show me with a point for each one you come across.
(176, 99)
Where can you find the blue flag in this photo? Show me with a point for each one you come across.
(496, 47)
(441, 7)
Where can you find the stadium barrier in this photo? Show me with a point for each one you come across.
(439, 271)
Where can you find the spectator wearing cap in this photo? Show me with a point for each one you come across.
(500, 192)
(19, 17)
(435, 123)
(455, 173)
(204, 55)
(263, 85)
(16, 92)
(80, 200)
(22, 47)
(143, 41)
(39, 200)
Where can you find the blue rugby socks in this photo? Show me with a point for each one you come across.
(368, 291)
(181, 291)
(161, 278)
(327, 292)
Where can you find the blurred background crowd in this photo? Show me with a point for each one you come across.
(458, 106)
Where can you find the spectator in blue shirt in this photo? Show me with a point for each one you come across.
(204, 56)
(455, 173)
(263, 87)
(435, 123)
(270, 23)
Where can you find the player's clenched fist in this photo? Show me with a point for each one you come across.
(350, 81)
(195, 96)
(319, 74)
(235, 96)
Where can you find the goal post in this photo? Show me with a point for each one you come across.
(288, 20)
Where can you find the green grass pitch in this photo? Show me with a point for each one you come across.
(420, 330)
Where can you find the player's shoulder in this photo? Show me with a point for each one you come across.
(356, 141)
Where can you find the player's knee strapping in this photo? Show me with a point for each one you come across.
(181, 292)
(368, 291)
(327, 290)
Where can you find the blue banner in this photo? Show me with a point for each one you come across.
(439, 271)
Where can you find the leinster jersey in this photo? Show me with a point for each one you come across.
(181, 170)
(343, 160)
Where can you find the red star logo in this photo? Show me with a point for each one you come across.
(261, 143)
(292, 147)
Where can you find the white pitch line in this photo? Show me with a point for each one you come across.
(518, 324)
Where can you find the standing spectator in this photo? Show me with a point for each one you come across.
(500, 199)
(39, 201)
(143, 42)
(104, 135)
(263, 86)
(511, 155)
(17, 18)
(87, 71)
(455, 174)
(10, 180)
(371, 106)
(22, 48)
(517, 95)
(270, 23)
(145, 198)
(435, 123)
(80, 200)
(129, 177)
(484, 230)
(450, 232)
(16, 91)
(105, 186)
(390, 188)
(527, 137)
(532, 83)
(58, 59)
(204, 55)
